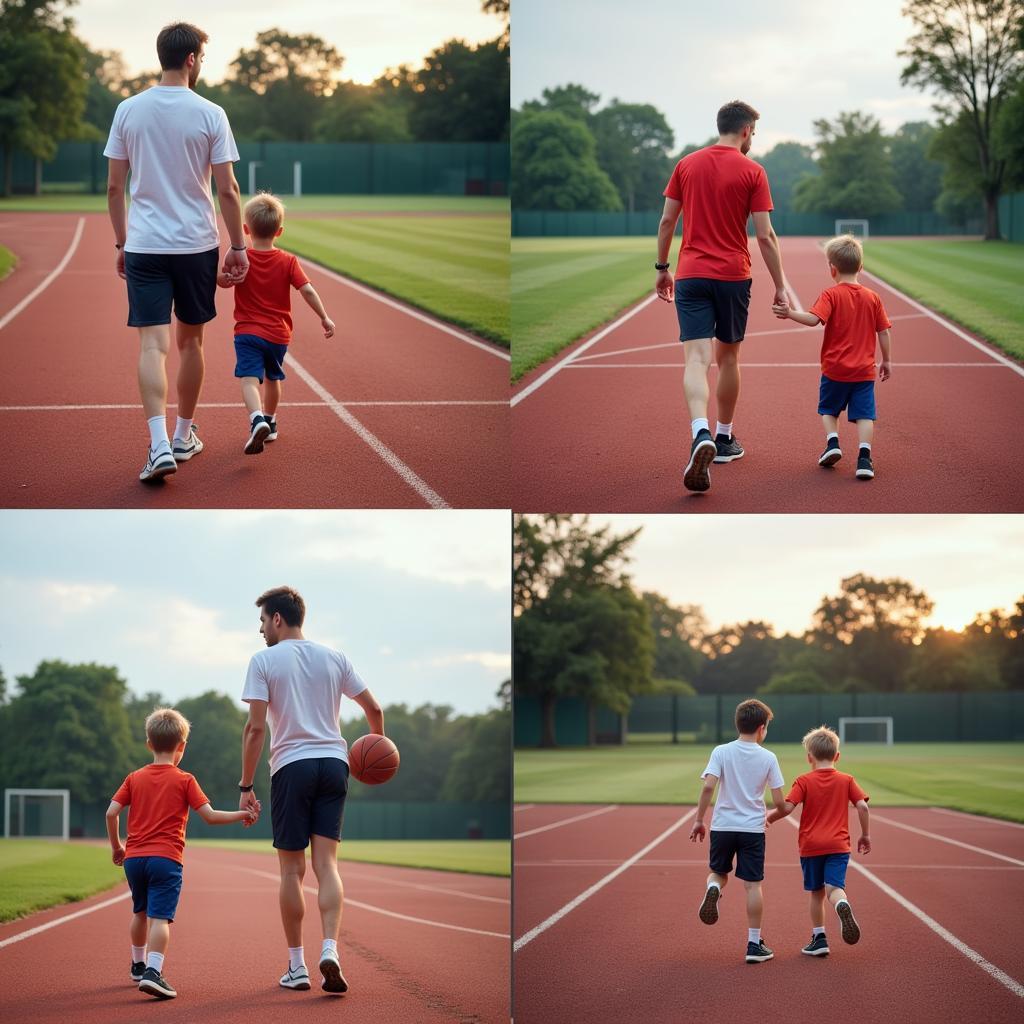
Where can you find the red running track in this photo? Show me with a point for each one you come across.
(608, 430)
(227, 951)
(636, 950)
(397, 410)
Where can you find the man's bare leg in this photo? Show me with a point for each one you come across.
(697, 476)
(155, 342)
(292, 899)
(191, 368)
(330, 897)
(727, 391)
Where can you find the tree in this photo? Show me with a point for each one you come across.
(633, 144)
(676, 653)
(785, 164)
(573, 100)
(917, 177)
(362, 113)
(946, 661)
(741, 658)
(969, 51)
(478, 772)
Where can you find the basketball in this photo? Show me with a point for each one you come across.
(373, 759)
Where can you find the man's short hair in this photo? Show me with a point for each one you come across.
(176, 42)
(264, 214)
(284, 601)
(166, 729)
(751, 715)
(735, 116)
(846, 254)
(822, 744)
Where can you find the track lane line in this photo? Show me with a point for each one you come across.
(239, 405)
(566, 821)
(946, 839)
(61, 920)
(976, 817)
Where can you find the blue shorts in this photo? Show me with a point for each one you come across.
(255, 355)
(155, 883)
(709, 308)
(156, 280)
(856, 396)
(828, 869)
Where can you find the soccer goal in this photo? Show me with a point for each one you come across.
(37, 813)
(273, 176)
(866, 730)
(857, 228)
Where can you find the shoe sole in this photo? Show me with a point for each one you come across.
(158, 473)
(815, 952)
(759, 959)
(728, 458)
(708, 912)
(865, 474)
(851, 930)
(334, 980)
(298, 986)
(155, 990)
(256, 439)
(830, 458)
(698, 475)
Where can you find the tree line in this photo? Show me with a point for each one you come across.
(79, 727)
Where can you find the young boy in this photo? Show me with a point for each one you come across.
(825, 835)
(263, 316)
(741, 769)
(159, 796)
(853, 315)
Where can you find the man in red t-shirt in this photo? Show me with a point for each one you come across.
(716, 189)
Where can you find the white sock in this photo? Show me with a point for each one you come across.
(714, 885)
(840, 902)
(158, 432)
(831, 434)
(817, 931)
(296, 958)
(698, 425)
(865, 444)
(723, 428)
(138, 954)
(156, 961)
(330, 946)
(753, 935)
(254, 416)
(181, 429)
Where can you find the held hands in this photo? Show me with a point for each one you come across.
(236, 265)
(117, 856)
(885, 370)
(698, 830)
(328, 325)
(864, 844)
(248, 802)
(119, 266)
(781, 310)
(250, 816)
(665, 286)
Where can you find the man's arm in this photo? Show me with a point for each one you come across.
(864, 843)
(783, 808)
(372, 710)
(664, 283)
(236, 263)
(706, 793)
(117, 176)
(885, 344)
(309, 293)
(212, 817)
(253, 736)
(114, 832)
(768, 243)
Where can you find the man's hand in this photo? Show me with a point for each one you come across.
(120, 265)
(328, 325)
(864, 844)
(781, 311)
(885, 370)
(665, 286)
(698, 830)
(117, 856)
(252, 816)
(236, 265)
(248, 802)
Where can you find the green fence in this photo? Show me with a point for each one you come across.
(327, 168)
(1011, 217)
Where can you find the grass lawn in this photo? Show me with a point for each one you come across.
(7, 261)
(983, 778)
(977, 284)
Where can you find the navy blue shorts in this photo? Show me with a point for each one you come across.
(307, 798)
(856, 396)
(255, 355)
(155, 883)
(156, 280)
(708, 308)
(746, 847)
(828, 869)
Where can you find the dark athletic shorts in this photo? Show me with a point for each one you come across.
(746, 847)
(307, 798)
(708, 308)
(255, 356)
(155, 883)
(828, 869)
(155, 280)
(857, 397)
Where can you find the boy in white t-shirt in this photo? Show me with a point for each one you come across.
(742, 770)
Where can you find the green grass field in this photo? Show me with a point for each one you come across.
(983, 778)
(7, 261)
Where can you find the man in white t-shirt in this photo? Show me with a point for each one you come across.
(296, 686)
(742, 770)
(170, 138)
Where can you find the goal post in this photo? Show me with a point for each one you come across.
(866, 730)
(35, 813)
(857, 228)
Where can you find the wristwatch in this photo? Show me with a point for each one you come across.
(661, 266)
(119, 245)
(245, 789)
(238, 248)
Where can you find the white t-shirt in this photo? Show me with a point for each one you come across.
(744, 771)
(303, 683)
(170, 136)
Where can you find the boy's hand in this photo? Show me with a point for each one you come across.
(328, 325)
(781, 310)
(885, 370)
(864, 844)
(117, 856)
(698, 830)
(250, 816)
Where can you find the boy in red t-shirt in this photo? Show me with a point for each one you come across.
(263, 316)
(159, 796)
(825, 834)
(853, 315)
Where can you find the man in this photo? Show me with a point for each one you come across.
(170, 138)
(297, 685)
(716, 188)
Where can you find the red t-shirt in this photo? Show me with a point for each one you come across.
(719, 188)
(853, 315)
(826, 795)
(158, 797)
(263, 301)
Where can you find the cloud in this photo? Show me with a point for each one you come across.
(69, 598)
(492, 661)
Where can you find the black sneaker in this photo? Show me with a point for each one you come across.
(703, 451)
(728, 448)
(709, 908)
(138, 970)
(260, 427)
(818, 946)
(272, 436)
(155, 984)
(757, 952)
(334, 980)
(851, 930)
(159, 464)
(832, 453)
(865, 471)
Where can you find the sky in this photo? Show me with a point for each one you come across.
(418, 600)
(795, 62)
(778, 568)
(372, 35)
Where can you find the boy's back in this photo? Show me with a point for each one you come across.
(158, 797)
(744, 770)
(263, 302)
(853, 315)
(826, 795)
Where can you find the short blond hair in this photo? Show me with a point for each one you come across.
(846, 254)
(166, 729)
(264, 214)
(822, 744)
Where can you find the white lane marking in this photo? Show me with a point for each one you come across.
(235, 405)
(439, 325)
(61, 920)
(654, 863)
(566, 821)
(764, 366)
(976, 817)
(522, 807)
(46, 281)
(388, 913)
(946, 839)
(600, 884)
(384, 880)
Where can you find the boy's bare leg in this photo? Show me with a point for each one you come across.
(831, 424)
(292, 898)
(191, 367)
(837, 897)
(155, 342)
(818, 908)
(755, 904)
(695, 376)
(271, 396)
(139, 927)
(331, 893)
(835, 894)
(727, 391)
(716, 879)
(159, 935)
(865, 431)
(251, 394)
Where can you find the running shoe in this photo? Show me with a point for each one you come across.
(296, 977)
(186, 447)
(260, 427)
(334, 980)
(818, 946)
(851, 930)
(697, 476)
(865, 470)
(138, 970)
(832, 453)
(158, 465)
(155, 984)
(728, 448)
(758, 952)
(272, 436)
(709, 908)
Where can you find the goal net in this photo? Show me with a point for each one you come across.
(282, 177)
(865, 730)
(36, 813)
(857, 228)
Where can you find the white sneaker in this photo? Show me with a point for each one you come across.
(334, 980)
(160, 463)
(297, 978)
(186, 447)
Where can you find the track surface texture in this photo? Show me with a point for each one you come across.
(604, 427)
